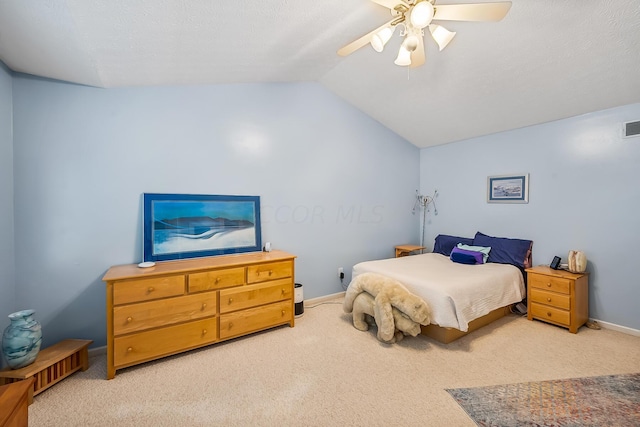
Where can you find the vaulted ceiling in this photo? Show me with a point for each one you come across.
(547, 60)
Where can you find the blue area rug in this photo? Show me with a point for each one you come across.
(612, 400)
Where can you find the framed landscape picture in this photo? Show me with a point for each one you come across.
(180, 226)
(508, 189)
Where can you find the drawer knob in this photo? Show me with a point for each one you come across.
(204, 332)
(283, 291)
(129, 319)
(283, 312)
(549, 285)
(549, 313)
(217, 279)
(129, 350)
(204, 305)
(270, 272)
(151, 289)
(548, 299)
(230, 325)
(230, 300)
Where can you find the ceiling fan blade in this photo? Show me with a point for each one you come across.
(472, 12)
(391, 4)
(418, 56)
(362, 41)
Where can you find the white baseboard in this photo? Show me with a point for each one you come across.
(318, 300)
(614, 327)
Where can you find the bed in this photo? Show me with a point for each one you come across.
(462, 296)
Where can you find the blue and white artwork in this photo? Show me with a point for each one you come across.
(508, 189)
(186, 226)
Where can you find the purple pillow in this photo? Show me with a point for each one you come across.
(464, 256)
(444, 243)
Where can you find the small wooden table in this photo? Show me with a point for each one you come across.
(52, 365)
(404, 250)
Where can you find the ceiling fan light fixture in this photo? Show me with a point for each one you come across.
(441, 35)
(380, 39)
(404, 57)
(421, 14)
(409, 44)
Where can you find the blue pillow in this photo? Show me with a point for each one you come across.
(444, 244)
(465, 256)
(505, 250)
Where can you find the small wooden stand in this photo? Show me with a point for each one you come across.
(52, 365)
(404, 250)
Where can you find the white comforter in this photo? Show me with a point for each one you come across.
(456, 293)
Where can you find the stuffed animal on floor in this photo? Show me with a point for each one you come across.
(388, 293)
(391, 292)
(364, 314)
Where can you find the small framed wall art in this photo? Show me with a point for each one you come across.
(508, 189)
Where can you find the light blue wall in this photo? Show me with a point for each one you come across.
(7, 293)
(336, 187)
(584, 195)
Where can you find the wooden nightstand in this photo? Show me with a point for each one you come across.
(558, 297)
(404, 250)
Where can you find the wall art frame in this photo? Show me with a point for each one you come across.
(508, 188)
(178, 226)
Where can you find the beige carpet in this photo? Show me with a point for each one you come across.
(324, 372)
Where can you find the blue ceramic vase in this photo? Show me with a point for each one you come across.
(21, 339)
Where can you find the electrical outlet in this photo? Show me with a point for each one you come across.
(340, 272)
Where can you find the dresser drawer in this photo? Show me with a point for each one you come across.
(254, 295)
(148, 345)
(551, 298)
(550, 283)
(151, 314)
(269, 271)
(255, 319)
(550, 314)
(129, 291)
(216, 279)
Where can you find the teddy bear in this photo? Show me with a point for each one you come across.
(387, 293)
(394, 293)
(364, 314)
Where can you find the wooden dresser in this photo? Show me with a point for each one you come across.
(181, 305)
(558, 297)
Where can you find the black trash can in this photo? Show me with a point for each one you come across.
(298, 299)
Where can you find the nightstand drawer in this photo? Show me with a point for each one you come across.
(550, 314)
(550, 283)
(551, 298)
(270, 271)
(216, 279)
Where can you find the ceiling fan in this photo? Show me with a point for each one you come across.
(414, 16)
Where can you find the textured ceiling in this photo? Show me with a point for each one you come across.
(546, 60)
